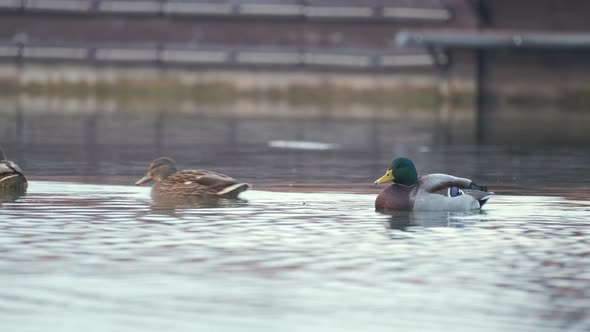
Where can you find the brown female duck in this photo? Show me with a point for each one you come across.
(189, 183)
(12, 178)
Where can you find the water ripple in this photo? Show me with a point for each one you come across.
(106, 258)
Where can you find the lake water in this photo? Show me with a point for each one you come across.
(305, 250)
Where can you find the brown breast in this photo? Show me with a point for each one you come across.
(395, 198)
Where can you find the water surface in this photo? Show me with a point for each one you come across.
(104, 258)
(304, 251)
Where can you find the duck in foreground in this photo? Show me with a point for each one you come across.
(433, 192)
(12, 179)
(189, 183)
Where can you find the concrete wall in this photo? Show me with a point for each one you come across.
(548, 15)
(44, 25)
(157, 29)
(542, 72)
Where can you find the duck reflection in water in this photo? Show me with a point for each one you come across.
(190, 188)
(13, 183)
(404, 220)
(171, 205)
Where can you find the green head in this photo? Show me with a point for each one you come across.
(402, 171)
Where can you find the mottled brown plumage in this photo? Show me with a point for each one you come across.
(170, 183)
(12, 180)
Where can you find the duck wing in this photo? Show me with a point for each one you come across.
(8, 167)
(452, 186)
(440, 183)
(204, 182)
(201, 178)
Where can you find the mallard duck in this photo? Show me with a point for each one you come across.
(433, 192)
(170, 183)
(12, 179)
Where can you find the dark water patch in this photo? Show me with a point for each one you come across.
(116, 148)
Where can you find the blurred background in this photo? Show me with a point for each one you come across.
(309, 101)
(112, 84)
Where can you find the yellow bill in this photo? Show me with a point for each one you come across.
(385, 178)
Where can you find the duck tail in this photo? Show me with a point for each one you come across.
(232, 191)
(480, 196)
(484, 199)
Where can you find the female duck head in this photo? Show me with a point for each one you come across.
(160, 169)
(402, 171)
